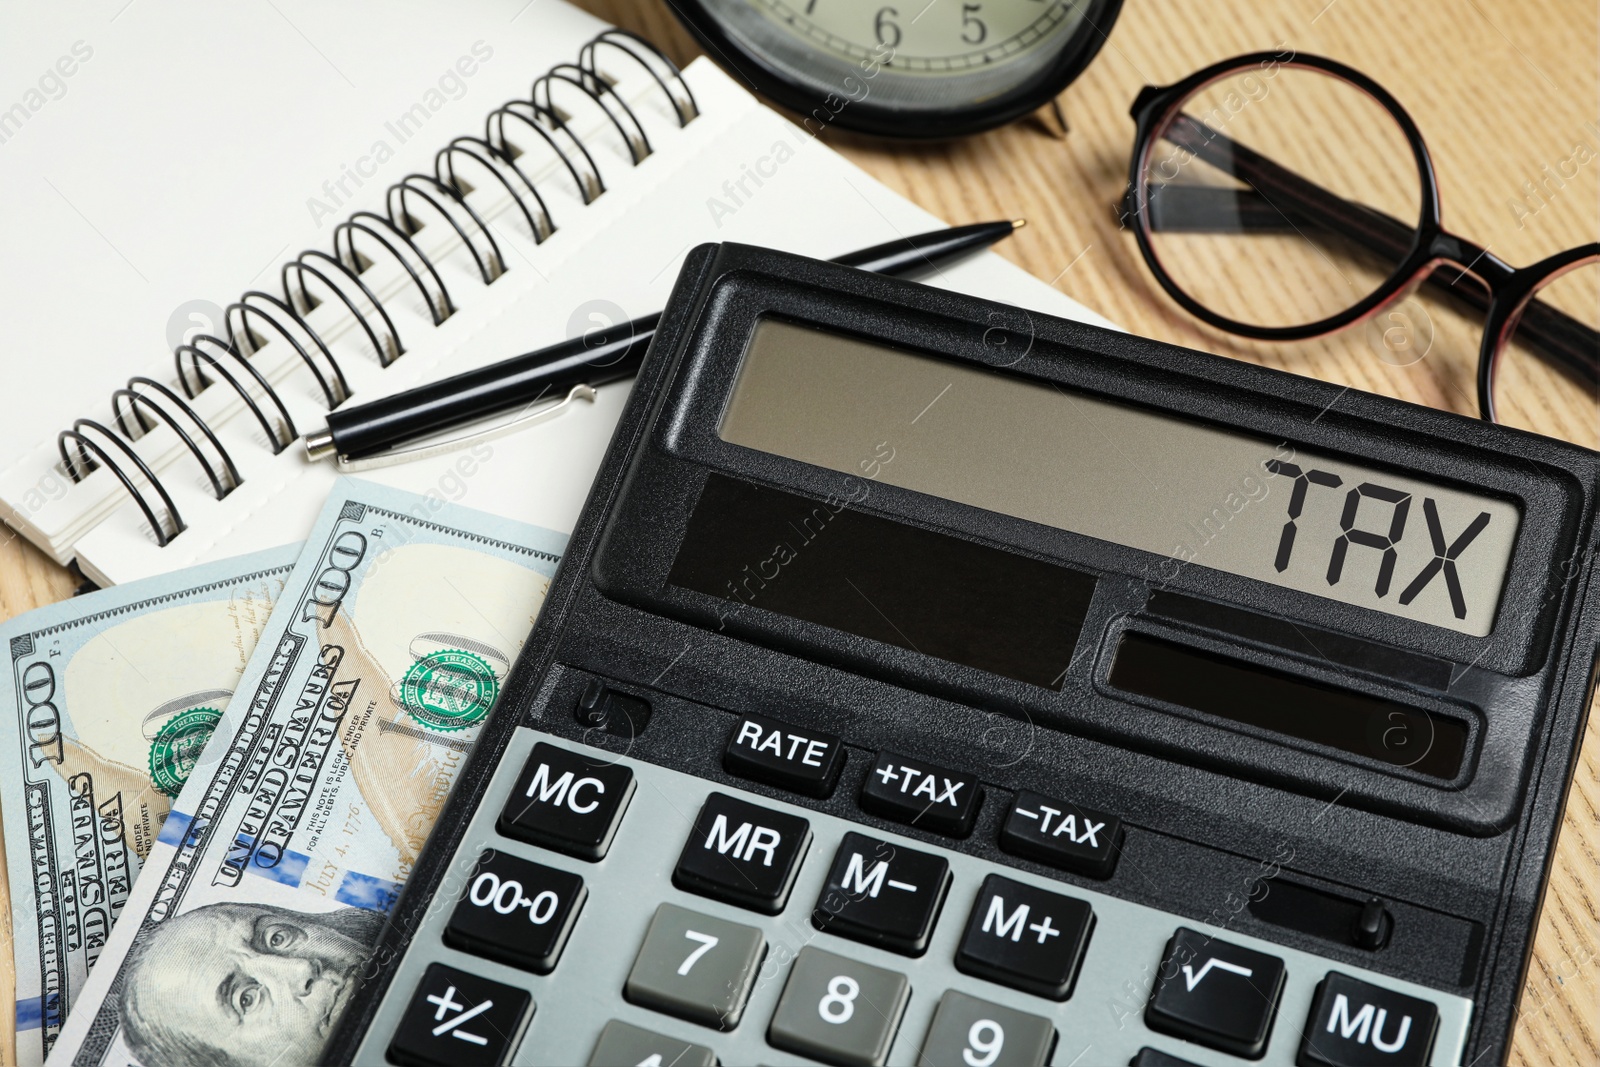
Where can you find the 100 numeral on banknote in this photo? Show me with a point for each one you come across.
(289, 844)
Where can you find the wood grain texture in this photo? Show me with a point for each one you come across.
(1500, 88)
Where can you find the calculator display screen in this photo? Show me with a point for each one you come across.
(1193, 494)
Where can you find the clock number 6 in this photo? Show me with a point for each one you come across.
(707, 943)
(885, 25)
(973, 31)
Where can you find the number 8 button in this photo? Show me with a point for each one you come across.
(839, 1010)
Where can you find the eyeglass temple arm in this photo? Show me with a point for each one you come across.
(1557, 335)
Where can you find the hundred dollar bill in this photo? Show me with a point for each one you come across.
(289, 844)
(108, 700)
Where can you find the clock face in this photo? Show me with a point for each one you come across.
(915, 35)
(906, 68)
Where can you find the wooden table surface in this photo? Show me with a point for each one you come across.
(1501, 90)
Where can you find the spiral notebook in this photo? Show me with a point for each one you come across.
(400, 193)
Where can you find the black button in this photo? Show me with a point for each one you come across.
(456, 1017)
(1025, 938)
(743, 854)
(922, 795)
(1216, 994)
(882, 894)
(1062, 835)
(1154, 1057)
(567, 802)
(1354, 1024)
(766, 750)
(516, 912)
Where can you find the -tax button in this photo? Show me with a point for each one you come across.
(1354, 1024)
(1062, 835)
(765, 750)
(567, 802)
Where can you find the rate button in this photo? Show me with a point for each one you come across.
(766, 750)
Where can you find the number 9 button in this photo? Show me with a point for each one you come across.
(980, 1034)
(516, 912)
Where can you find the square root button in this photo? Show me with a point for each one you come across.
(1217, 994)
(1354, 1024)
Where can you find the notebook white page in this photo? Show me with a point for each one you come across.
(158, 157)
(809, 200)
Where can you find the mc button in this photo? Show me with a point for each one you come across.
(567, 802)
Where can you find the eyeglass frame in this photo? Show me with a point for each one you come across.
(1432, 246)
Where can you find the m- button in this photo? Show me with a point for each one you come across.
(882, 894)
(743, 854)
(922, 795)
(1025, 937)
(1062, 835)
(567, 802)
(765, 750)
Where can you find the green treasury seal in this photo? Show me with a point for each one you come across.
(177, 747)
(449, 689)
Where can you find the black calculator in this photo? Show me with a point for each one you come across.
(930, 682)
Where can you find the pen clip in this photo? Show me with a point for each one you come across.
(396, 456)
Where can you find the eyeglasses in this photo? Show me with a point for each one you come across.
(1270, 195)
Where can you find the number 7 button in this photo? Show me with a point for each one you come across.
(696, 967)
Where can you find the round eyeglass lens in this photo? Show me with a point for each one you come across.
(1279, 196)
(1540, 383)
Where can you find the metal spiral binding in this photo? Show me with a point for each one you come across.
(258, 316)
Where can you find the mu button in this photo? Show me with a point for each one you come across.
(882, 894)
(1353, 1024)
(567, 802)
(1062, 835)
(1025, 938)
(1215, 993)
(922, 795)
(743, 854)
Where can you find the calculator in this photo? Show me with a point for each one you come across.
(932, 682)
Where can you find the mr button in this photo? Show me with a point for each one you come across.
(922, 795)
(567, 802)
(1353, 1023)
(1061, 834)
(1025, 938)
(743, 854)
(765, 750)
(1215, 993)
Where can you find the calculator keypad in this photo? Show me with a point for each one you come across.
(696, 967)
(613, 989)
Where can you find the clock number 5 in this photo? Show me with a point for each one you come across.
(973, 31)
(887, 27)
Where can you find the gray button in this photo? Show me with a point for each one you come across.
(839, 1010)
(696, 967)
(624, 1045)
(968, 1032)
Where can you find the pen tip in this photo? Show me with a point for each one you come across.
(1017, 224)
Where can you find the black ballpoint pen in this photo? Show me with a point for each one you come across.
(368, 433)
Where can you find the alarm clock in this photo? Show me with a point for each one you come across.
(907, 68)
